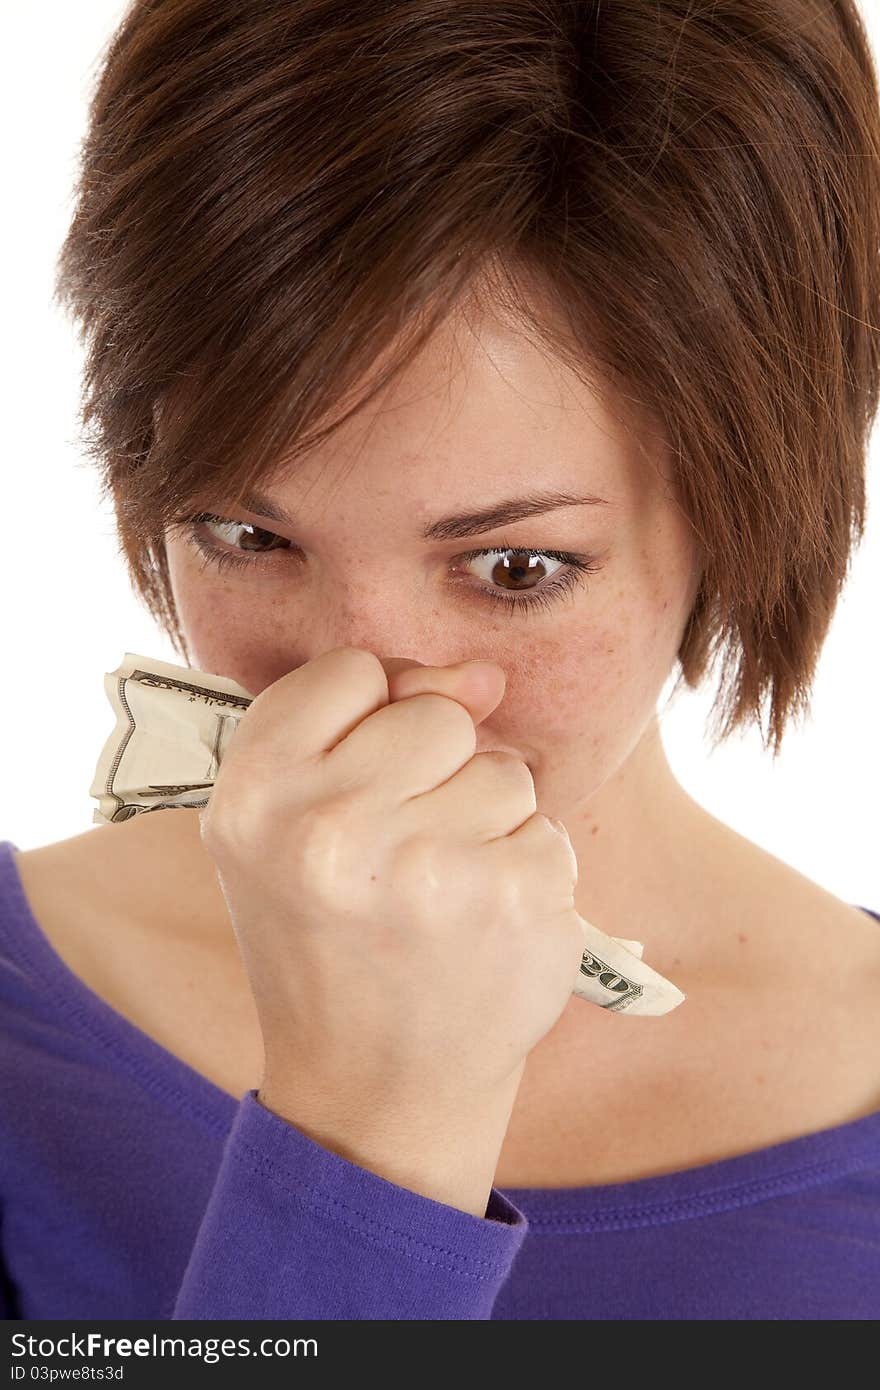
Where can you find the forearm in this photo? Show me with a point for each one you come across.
(450, 1157)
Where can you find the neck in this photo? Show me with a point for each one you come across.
(642, 843)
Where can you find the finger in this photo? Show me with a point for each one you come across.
(310, 709)
(540, 858)
(418, 740)
(477, 684)
(402, 750)
(490, 796)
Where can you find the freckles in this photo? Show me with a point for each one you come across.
(227, 632)
(547, 685)
(525, 660)
(604, 661)
(219, 623)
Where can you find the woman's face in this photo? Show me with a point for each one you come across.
(370, 556)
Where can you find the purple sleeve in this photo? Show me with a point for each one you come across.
(293, 1230)
(8, 1309)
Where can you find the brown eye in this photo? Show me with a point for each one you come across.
(518, 579)
(253, 539)
(518, 571)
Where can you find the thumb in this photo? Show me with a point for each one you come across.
(478, 685)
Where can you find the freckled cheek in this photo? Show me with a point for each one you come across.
(594, 685)
(226, 631)
(552, 690)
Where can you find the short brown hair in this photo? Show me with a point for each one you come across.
(271, 196)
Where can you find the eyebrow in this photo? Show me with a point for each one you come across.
(459, 525)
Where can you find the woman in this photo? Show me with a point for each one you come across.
(585, 299)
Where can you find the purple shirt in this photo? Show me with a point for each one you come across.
(133, 1187)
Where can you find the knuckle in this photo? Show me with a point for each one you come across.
(511, 773)
(415, 858)
(324, 828)
(360, 661)
(448, 717)
(543, 836)
(326, 849)
(246, 811)
(420, 873)
(553, 846)
(508, 892)
(228, 821)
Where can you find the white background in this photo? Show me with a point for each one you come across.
(69, 613)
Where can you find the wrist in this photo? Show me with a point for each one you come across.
(452, 1161)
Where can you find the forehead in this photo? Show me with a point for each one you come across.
(486, 409)
(483, 411)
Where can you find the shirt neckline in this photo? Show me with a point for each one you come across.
(700, 1190)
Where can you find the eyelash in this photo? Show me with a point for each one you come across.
(578, 566)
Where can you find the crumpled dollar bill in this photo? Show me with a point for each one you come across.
(173, 727)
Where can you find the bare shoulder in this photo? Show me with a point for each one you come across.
(761, 900)
(73, 887)
(116, 867)
(796, 911)
(811, 962)
(841, 947)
